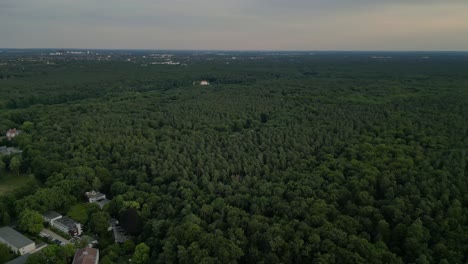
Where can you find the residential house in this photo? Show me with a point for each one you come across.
(11, 133)
(94, 196)
(4, 150)
(204, 83)
(86, 256)
(51, 216)
(68, 225)
(16, 241)
(98, 198)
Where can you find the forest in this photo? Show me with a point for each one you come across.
(289, 158)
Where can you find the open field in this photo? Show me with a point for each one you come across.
(9, 181)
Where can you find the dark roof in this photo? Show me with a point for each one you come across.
(103, 202)
(19, 260)
(52, 215)
(86, 256)
(14, 238)
(68, 222)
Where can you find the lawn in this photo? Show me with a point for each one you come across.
(10, 181)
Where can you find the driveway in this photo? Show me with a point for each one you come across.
(53, 235)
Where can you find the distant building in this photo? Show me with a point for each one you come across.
(12, 133)
(94, 196)
(4, 150)
(204, 83)
(51, 216)
(68, 225)
(16, 241)
(98, 198)
(86, 256)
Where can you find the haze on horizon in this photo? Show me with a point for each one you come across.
(236, 25)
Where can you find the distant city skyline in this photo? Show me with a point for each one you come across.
(365, 25)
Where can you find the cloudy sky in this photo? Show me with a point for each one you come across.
(236, 24)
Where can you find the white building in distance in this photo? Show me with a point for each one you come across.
(16, 241)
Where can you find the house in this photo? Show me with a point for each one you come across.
(204, 83)
(120, 236)
(68, 225)
(102, 203)
(94, 196)
(86, 256)
(4, 150)
(98, 198)
(16, 241)
(11, 133)
(19, 260)
(51, 216)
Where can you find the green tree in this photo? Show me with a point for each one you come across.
(53, 254)
(141, 255)
(27, 126)
(6, 219)
(30, 221)
(2, 165)
(15, 164)
(99, 223)
(96, 184)
(5, 253)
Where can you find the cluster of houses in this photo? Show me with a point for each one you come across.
(10, 134)
(100, 199)
(24, 246)
(63, 223)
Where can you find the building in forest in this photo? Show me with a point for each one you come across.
(94, 196)
(12, 133)
(68, 225)
(204, 83)
(16, 241)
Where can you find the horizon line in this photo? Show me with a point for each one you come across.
(233, 50)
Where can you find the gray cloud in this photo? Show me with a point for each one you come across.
(240, 24)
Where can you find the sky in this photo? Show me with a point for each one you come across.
(236, 24)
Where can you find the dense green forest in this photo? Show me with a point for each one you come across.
(282, 159)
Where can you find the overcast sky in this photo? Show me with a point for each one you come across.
(236, 24)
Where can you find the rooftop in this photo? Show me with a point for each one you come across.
(94, 194)
(68, 222)
(86, 256)
(103, 202)
(52, 215)
(14, 238)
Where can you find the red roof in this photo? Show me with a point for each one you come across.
(86, 256)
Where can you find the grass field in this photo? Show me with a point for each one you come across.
(10, 181)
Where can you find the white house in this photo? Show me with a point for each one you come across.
(11, 133)
(16, 241)
(204, 83)
(94, 196)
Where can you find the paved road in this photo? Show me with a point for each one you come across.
(55, 236)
